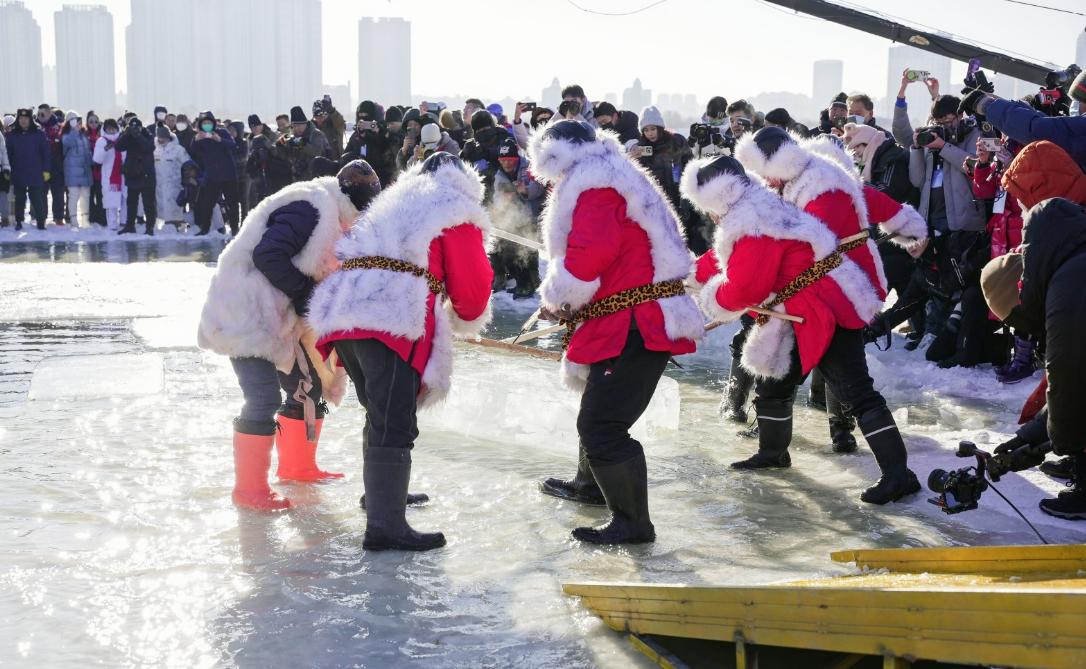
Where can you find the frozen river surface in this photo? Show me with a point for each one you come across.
(121, 547)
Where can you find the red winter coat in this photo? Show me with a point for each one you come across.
(761, 265)
(605, 244)
(459, 259)
(836, 209)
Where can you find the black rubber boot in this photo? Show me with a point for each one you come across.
(582, 489)
(841, 425)
(386, 473)
(774, 436)
(882, 435)
(413, 499)
(816, 398)
(1071, 503)
(1062, 469)
(128, 229)
(733, 406)
(625, 487)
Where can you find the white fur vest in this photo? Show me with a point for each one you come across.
(401, 223)
(245, 316)
(576, 168)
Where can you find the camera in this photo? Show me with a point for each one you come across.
(960, 490)
(990, 144)
(928, 135)
(1061, 79)
(569, 107)
(703, 134)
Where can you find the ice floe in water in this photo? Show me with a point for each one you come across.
(97, 376)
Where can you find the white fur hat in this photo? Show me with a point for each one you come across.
(714, 184)
(553, 150)
(772, 153)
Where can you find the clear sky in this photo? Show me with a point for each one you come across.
(706, 47)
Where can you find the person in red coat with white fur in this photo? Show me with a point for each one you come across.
(610, 233)
(761, 245)
(414, 273)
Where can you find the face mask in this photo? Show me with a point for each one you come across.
(181, 125)
(207, 127)
(74, 123)
(161, 116)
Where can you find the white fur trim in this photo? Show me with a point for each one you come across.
(711, 306)
(718, 195)
(789, 161)
(560, 288)
(767, 352)
(401, 223)
(908, 224)
(244, 315)
(856, 286)
(832, 150)
(682, 318)
(468, 329)
(574, 375)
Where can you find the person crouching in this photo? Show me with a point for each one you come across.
(414, 272)
(254, 314)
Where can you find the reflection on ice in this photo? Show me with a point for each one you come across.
(97, 376)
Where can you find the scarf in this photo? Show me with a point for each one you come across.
(115, 172)
(872, 137)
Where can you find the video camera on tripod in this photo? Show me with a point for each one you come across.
(960, 490)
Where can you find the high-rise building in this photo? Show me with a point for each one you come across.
(1080, 50)
(828, 81)
(255, 56)
(20, 57)
(902, 57)
(551, 96)
(84, 44)
(635, 98)
(384, 60)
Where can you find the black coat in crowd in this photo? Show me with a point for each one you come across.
(1053, 308)
(139, 160)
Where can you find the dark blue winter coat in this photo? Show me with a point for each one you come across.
(77, 159)
(1024, 124)
(288, 231)
(29, 154)
(216, 159)
(139, 158)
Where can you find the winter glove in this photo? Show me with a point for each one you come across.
(1012, 444)
(968, 104)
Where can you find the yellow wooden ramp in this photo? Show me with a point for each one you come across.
(1009, 607)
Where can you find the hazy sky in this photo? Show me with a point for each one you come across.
(706, 47)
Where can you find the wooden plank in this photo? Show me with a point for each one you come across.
(514, 348)
(971, 559)
(1019, 656)
(1048, 622)
(656, 653)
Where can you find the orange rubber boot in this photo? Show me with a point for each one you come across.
(252, 460)
(297, 455)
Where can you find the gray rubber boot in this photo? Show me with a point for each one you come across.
(386, 473)
(882, 435)
(774, 435)
(625, 487)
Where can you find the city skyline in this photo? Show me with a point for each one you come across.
(316, 27)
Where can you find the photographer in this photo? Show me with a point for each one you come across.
(577, 104)
(330, 122)
(665, 155)
(1025, 124)
(304, 144)
(213, 151)
(483, 148)
(861, 105)
(138, 146)
(412, 126)
(740, 119)
(515, 207)
(1054, 304)
(374, 142)
(432, 139)
(832, 119)
(269, 171)
(622, 122)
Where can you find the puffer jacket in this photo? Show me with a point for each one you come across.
(1054, 270)
(78, 166)
(1043, 170)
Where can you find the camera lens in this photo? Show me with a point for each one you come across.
(937, 480)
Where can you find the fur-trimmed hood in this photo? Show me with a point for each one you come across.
(401, 223)
(244, 315)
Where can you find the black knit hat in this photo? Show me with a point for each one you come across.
(297, 115)
(508, 149)
(254, 120)
(481, 119)
(839, 99)
(367, 110)
(779, 116)
(411, 115)
(324, 167)
(205, 115)
(393, 115)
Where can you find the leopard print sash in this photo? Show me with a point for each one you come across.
(437, 287)
(812, 274)
(620, 301)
